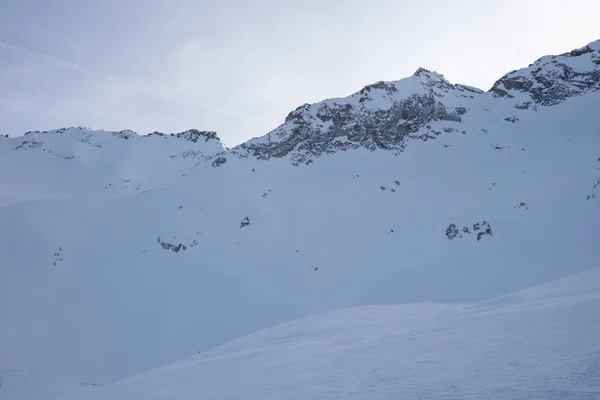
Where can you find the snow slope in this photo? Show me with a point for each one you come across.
(125, 257)
(541, 343)
(71, 162)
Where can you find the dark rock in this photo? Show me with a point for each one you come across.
(452, 232)
(245, 222)
(219, 161)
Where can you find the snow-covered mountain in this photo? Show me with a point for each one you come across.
(386, 115)
(121, 253)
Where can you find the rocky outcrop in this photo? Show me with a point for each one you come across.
(217, 162)
(379, 116)
(194, 135)
(553, 79)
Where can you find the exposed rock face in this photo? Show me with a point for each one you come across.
(193, 135)
(379, 116)
(553, 79)
(385, 115)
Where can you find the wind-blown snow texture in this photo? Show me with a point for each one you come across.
(541, 343)
(121, 253)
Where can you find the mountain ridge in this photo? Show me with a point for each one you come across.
(554, 85)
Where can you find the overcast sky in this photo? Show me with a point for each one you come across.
(239, 66)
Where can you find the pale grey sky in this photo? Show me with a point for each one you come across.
(238, 67)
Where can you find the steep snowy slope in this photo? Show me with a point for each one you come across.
(423, 191)
(541, 343)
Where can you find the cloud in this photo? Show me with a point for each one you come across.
(49, 60)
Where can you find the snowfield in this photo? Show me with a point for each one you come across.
(122, 253)
(540, 343)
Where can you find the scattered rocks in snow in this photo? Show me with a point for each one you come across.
(87, 138)
(482, 229)
(125, 134)
(396, 183)
(176, 248)
(28, 144)
(511, 119)
(521, 205)
(496, 147)
(188, 154)
(525, 106)
(245, 222)
(58, 256)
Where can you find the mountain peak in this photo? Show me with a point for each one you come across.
(425, 73)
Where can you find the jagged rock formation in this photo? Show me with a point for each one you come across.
(553, 79)
(192, 135)
(380, 116)
(385, 115)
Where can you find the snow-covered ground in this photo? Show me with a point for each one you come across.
(541, 343)
(120, 253)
